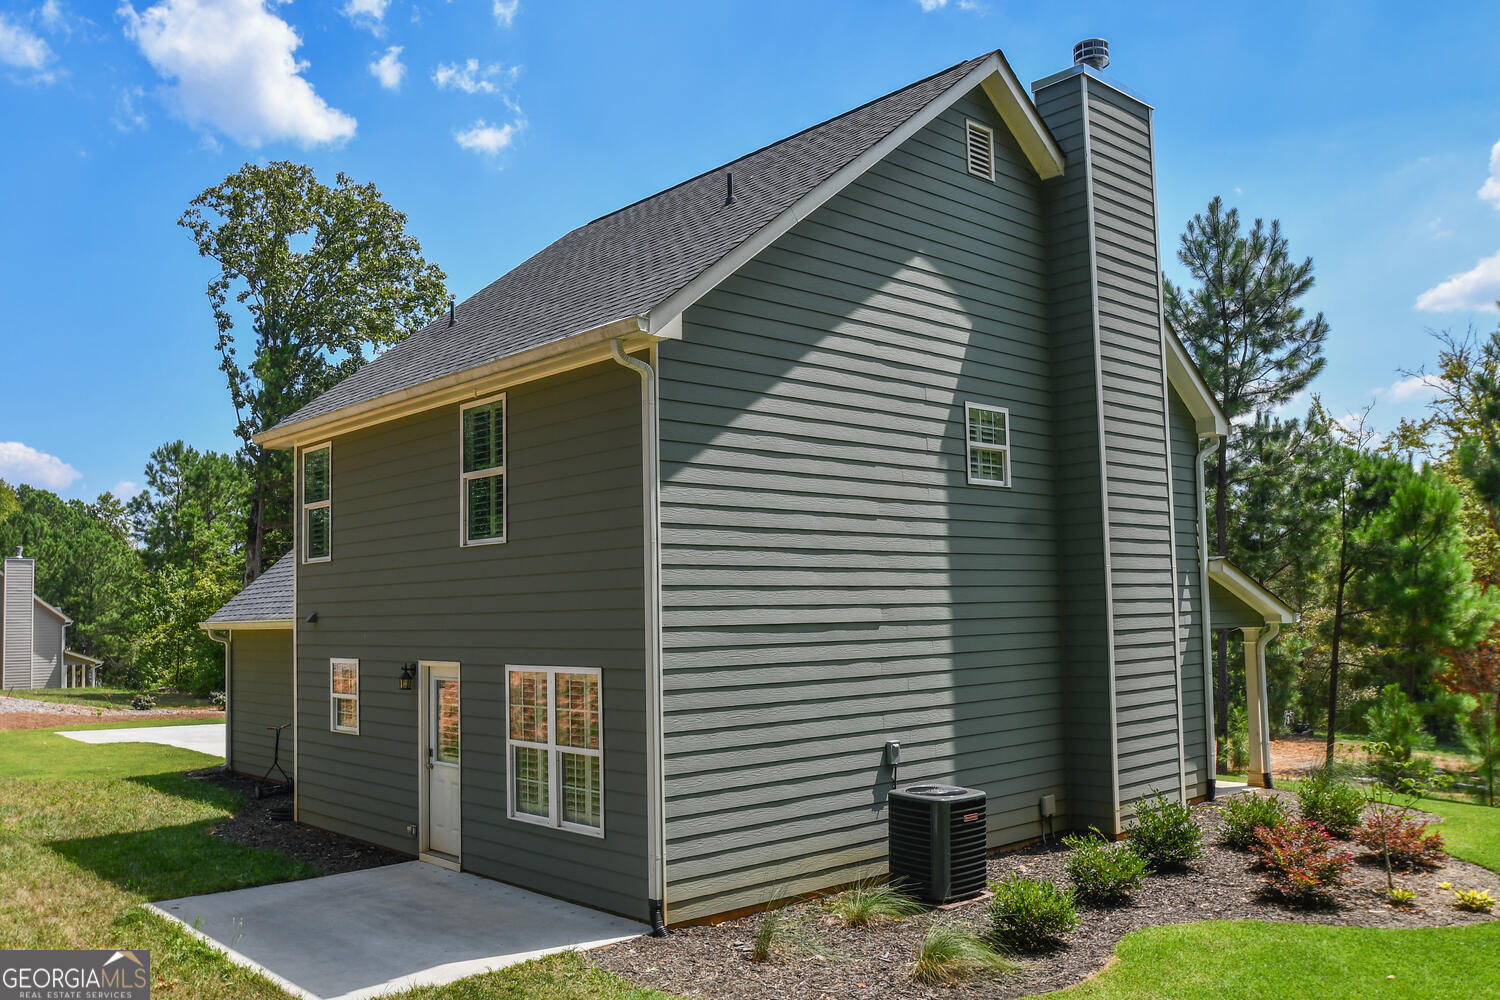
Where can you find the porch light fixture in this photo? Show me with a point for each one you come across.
(408, 674)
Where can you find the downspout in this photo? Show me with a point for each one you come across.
(655, 752)
(227, 637)
(1211, 444)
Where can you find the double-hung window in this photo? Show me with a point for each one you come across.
(556, 747)
(988, 455)
(343, 691)
(482, 477)
(317, 495)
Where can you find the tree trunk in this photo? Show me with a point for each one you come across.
(255, 527)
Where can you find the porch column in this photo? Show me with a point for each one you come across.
(1257, 707)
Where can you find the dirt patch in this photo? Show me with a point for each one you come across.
(24, 713)
(1293, 756)
(877, 961)
(259, 825)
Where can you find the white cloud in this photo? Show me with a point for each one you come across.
(21, 49)
(487, 139)
(234, 70)
(1476, 288)
(52, 15)
(367, 14)
(128, 115)
(125, 489)
(928, 6)
(1490, 190)
(473, 78)
(505, 12)
(389, 69)
(24, 464)
(1411, 389)
(1437, 230)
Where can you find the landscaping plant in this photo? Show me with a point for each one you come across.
(1481, 734)
(950, 954)
(1030, 914)
(1165, 834)
(1400, 897)
(870, 900)
(779, 933)
(1244, 814)
(1401, 839)
(143, 701)
(1473, 900)
(218, 698)
(1302, 864)
(1328, 798)
(1388, 832)
(1102, 872)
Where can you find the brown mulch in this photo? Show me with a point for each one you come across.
(259, 824)
(876, 961)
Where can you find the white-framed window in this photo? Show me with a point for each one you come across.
(987, 429)
(555, 747)
(481, 432)
(343, 695)
(317, 499)
(979, 142)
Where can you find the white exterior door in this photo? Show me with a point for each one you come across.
(443, 768)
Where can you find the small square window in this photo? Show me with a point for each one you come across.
(988, 446)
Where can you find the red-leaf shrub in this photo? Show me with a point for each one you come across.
(1301, 863)
(1406, 839)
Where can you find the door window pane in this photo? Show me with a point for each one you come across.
(447, 721)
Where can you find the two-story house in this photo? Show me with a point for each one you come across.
(34, 649)
(617, 583)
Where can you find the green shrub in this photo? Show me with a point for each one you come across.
(1102, 873)
(865, 902)
(1405, 841)
(1244, 814)
(143, 701)
(1165, 834)
(1395, 726)
(1328, 798)
(219, 699)
(1234, 751)
(1473, 900)
(949, 954)
(1029, 915)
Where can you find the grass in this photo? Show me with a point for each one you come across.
(557, 977)
(41, 754)
(109, 699)
(951, 954)
(870, 900)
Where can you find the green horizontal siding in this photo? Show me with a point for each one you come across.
(1190, 595)
(260, 697)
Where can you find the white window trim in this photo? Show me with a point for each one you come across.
(334, 699)
(989, 133)
(499, 470)
(970, 445)
(307, 508)
(553, 818)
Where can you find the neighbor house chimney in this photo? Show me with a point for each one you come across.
(1092, 52)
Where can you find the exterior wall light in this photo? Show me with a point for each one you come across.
(408, 674)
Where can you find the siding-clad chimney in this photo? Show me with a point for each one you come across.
(16, 602)
(1108, 356)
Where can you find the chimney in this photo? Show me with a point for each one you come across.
(18, 552)
(1092, 52)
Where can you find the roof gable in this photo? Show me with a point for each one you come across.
(646, 263)
(269, 601)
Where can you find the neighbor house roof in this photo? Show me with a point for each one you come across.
(636, 264)
(73, 654)
(267, 603)
(1248, 590)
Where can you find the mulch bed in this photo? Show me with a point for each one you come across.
(877, 960)
(259, 825)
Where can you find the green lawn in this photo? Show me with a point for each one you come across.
(109, 699)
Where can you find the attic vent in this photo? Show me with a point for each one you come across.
(981, 142)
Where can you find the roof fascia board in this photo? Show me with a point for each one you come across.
(1188, 381)
(261, 624)
(69, 654)
(66, 620)
(670, 310)
(1239, 583)
(584, 348)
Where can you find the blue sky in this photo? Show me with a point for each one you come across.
(1370, 132)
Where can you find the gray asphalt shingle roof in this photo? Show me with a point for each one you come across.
(623, 264)
(269, 598)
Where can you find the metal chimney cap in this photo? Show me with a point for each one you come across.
(1092, 52)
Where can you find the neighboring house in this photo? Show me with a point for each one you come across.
(34, 649)
(616, 583)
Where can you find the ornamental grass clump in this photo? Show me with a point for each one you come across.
(1030, 914)
(1102, 873)
(1246, 813)
(1387, 832)
(1165, 834)
(949, 955)
(1328, 798)
(1301, 864)
(867, 902)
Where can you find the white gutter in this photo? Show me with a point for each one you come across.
(1210, 446)
(656, 830)
(224, 641)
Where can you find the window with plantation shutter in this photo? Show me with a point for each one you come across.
(556, 747)
(482, 472)
(343, 691)
(988, 446)
(981, 148)
(317, 504)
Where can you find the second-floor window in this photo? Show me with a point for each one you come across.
(317, 495)
(482, 479)
(988, 451)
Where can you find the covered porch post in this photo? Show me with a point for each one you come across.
(1257, 705)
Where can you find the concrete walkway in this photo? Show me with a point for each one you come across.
(207, 739)
(365, 933)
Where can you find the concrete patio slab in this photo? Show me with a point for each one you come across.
(207, 739)
(362, 934)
